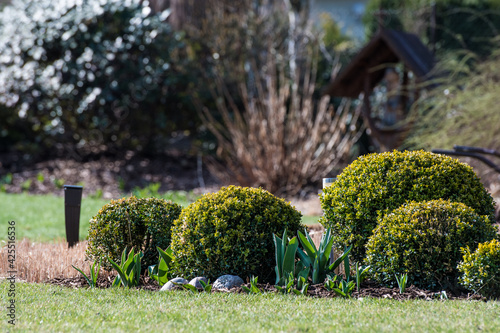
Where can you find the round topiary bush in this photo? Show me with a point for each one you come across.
(231, 232)
(481, 269)
(423, 239)
(376, 184)
(142, 223)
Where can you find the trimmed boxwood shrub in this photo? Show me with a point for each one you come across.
(142, 223)
(481, 269)
(376, 184)
(423, 239)
(231, 232)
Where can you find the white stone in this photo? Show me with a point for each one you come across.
(196, 282)
(171, 286)
(227, 282)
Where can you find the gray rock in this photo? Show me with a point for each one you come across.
(227, 282)
(196, 282)
(171, 286)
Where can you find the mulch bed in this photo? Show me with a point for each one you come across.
(368, 289)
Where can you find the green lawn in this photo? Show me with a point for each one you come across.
(41, 217)
(46, 308)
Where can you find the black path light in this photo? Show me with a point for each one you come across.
(72, 204)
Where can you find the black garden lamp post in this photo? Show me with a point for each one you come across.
(72, 204)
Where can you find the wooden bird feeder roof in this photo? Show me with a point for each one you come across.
(386, 47)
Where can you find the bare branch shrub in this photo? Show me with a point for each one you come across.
(282, 137)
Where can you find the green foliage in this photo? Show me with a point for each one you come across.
(480, 270)
(140, 223)
(345, 288)
(289, 285)
(331, 282)
(94, 273)
(152, 190)
(401, 280)
(342, 287)
(162, 271)
(460, 25)
(467, 99)
(361, 274)
(88, 72)
(230, 232)
(317, 260)
(332, 36)
(253, 286)
(376, 184)
(206, 287)
(285, 259)
(129, 270)
(423, 240)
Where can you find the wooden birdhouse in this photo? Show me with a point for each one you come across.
(387, 74)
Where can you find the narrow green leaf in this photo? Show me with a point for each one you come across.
(337, 262)
(339, 292)
(278, 277)
(85, 276)
(310, 240)
(347, 267)
(283, 247)
(289, 259)
(278, 257)
(128, 266)
(124, 256)
(306, 260)
(97, 272)
(328, 249)
(121, 273)
(166, 255)
(308, 246)
(190, 287)
(207, 287)
(316, 272)
(325, 238)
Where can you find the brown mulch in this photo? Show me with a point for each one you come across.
(368, 289)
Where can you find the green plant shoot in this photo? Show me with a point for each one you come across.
(207, 287)
(361, 272)
(253, 286)
(92, 280)
(161, 271)
(345, 288)
(401, 280)
(285, 257)
(317, 260)
(129, 270)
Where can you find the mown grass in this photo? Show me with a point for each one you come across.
(48, 308)
(41, 217)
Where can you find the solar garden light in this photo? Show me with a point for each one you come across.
(72, 204)
(328, 182)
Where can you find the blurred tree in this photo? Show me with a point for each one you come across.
(90, 75)
(450, 24)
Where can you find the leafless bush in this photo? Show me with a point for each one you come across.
(283, 137)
